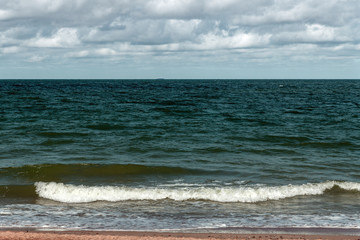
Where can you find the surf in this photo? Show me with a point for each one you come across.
(69, 193)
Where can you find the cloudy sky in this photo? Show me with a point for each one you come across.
(179, 38)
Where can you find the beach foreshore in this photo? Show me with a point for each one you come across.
(130, 235)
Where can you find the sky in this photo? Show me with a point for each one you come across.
(180, 39)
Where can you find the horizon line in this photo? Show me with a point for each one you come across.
(160, 79)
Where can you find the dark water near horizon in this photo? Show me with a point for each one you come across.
(179, 154)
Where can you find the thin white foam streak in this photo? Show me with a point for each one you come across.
(69, 193)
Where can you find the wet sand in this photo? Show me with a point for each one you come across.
(120, 235)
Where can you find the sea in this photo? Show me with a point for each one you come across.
(180, 155)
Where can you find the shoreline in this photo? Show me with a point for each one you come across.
(221, 230)
(25, 234)
(96, 235)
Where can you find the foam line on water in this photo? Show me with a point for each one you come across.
(69, 193)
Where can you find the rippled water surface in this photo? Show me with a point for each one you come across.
(179, 154)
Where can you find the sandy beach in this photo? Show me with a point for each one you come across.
(105, 235)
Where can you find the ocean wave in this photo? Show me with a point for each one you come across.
(69, 193)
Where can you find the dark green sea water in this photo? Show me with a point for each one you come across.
(179, 154)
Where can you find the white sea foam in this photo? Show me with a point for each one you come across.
(80, 194)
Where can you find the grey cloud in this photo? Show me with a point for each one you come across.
(64, 37)
(146, 32)
(84, 28)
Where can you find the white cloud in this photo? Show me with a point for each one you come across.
(93, 53)
(317, 32)
(9, 50)
(36, 58)
(212, 41)
(5, 14)
(105, 52)
(18, 9)
(257, 30)
(173, 8)
(64, 37)
(78, 54)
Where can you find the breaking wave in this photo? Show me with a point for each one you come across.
(69, 193)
